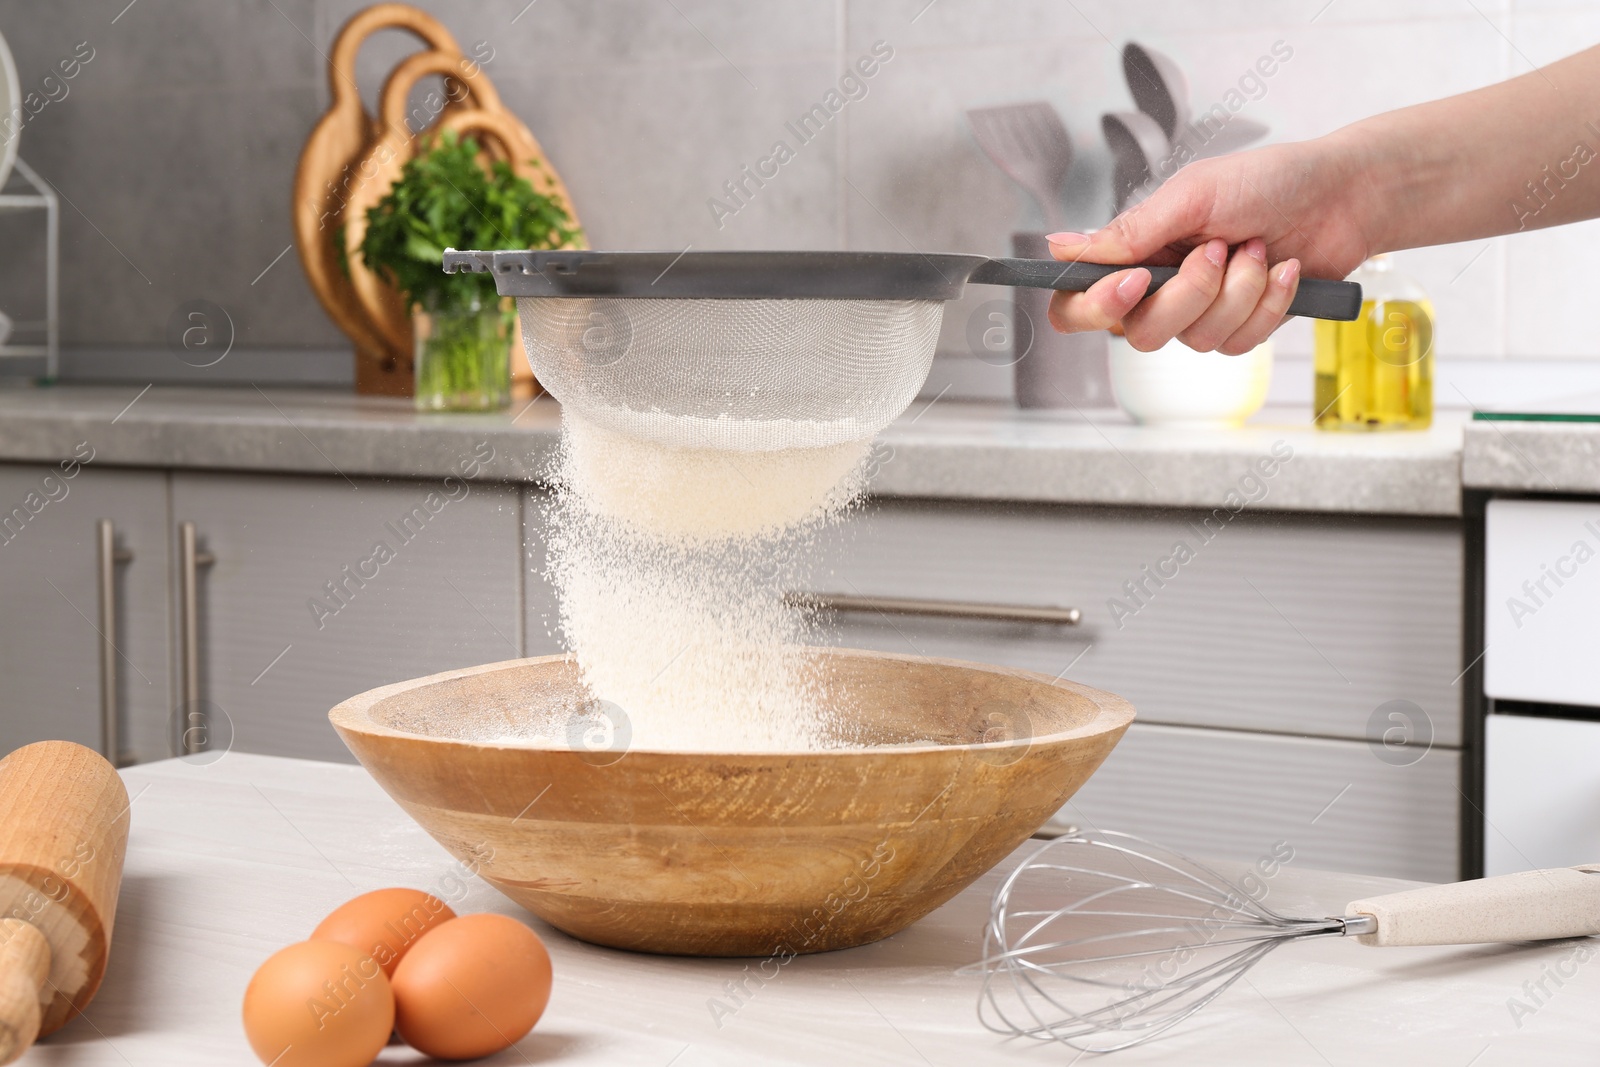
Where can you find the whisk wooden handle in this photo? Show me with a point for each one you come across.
(1530, 906)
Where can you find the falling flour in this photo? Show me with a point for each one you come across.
(671, 567)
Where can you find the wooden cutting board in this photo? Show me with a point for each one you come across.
(503, 135)
(352, 158)
(327, 176)
(379, 164)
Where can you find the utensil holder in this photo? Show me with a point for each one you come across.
(1059, 370)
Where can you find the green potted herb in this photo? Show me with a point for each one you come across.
(464, 330)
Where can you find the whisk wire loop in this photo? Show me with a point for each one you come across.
(1150, 938)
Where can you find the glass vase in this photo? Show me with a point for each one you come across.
(463, 354)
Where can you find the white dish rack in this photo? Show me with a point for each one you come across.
(42, 336)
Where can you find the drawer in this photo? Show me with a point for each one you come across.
(1541, 609)
(322, 589)
(1284, 623)
(1541, 793)
(1225, 795)
(55, 596)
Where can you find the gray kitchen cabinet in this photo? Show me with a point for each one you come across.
(1282, 652)
(1283, 623)
(53, 593)
(320, 588)
(1295, 677)
(1340, 805)
(540, 608)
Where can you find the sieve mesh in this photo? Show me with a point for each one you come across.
(746, 375)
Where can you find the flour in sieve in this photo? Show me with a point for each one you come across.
(671, 567)
(684, 496)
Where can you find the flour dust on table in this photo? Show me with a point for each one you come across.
(671, 566)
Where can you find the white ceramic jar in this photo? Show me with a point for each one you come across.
(1177, 386)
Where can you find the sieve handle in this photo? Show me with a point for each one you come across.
(1316, 298)
(1528, 906)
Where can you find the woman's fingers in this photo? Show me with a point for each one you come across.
(1102, 305)
(1282, 281)
(1214, 303)
(1242, 286)
(1183, 299)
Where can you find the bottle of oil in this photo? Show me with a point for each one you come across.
(1376, 373)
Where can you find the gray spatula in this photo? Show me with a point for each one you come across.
(1028, 142)
(1161, 91)
(1142, 153)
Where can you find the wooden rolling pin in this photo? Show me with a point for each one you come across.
(63, 835)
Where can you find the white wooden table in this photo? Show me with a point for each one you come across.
(231, 860)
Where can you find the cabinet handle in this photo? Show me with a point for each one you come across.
(192, 727)
(107, 556)
(943, 609)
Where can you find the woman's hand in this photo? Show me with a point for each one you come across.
(1242, 228)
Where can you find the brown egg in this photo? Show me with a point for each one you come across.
(471, 986)
(384, 923)
(318, 1004)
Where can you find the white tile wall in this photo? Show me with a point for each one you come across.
(1549, 295)
(647, 107)
(1523, 297)
(1355, 59)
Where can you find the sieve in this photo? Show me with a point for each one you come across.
(762, 351)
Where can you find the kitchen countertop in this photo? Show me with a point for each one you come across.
(996, 452)
(1535, 457)
(231, 858)
(945, 449)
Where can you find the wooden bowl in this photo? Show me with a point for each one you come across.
(736, 854)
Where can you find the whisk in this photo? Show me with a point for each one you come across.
(1148, 937)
